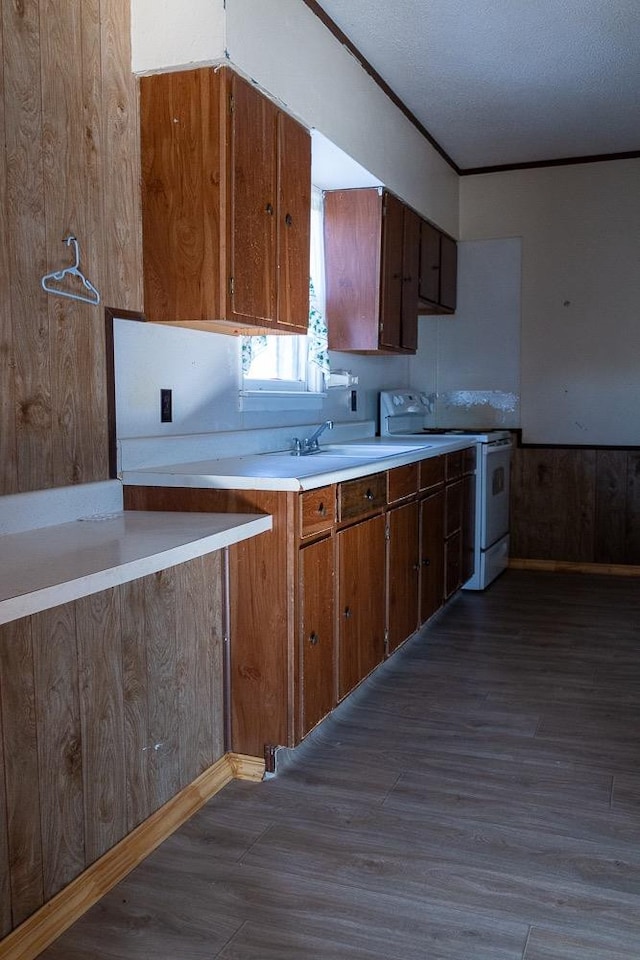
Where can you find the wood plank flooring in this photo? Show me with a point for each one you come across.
(478, 798)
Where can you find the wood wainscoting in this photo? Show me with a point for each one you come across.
(576, 505)
(111, 707)
(69, 164)
(56, 916)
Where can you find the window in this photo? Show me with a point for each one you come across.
(283, 365)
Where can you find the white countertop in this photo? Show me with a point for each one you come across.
(281, 471)
(45, 567)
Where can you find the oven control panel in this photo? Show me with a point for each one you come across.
(403, 412)
(398, 402)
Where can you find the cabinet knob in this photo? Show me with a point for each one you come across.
(288, 219)
(347, 612)
(416, 567)
(369, 495)
(322, 510)
(426, 562)
(269, 209)
(313, 639)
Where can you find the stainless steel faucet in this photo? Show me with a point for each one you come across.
(302, 448)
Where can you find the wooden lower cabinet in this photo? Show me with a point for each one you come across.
(316, 649)
(431, 554)
(312, 599)
(403, 573)
(360, 552)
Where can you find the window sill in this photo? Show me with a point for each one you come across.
(263, 401)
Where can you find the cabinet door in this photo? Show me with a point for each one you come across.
(294, 215)
(468, 526)
(448, 272)
(403, 569)
(254, 205)
(431, 555)
(453, 511)
(392, 273)
(352, 232)
(181, 187)
(361, 601)
(316, 641)
(410, 280)
(453, 563)
(429, 287)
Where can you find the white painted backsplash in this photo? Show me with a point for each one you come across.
(203, 372)
(470, 362)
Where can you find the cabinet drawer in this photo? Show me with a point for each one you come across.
(358, 498)
(402, 482)
(431, 472)
(453, 465)
(317, 511)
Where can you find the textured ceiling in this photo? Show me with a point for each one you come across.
(500, 82)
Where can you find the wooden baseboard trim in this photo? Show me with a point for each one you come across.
(567, 566)
(39, 930)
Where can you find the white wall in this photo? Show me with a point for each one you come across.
(289, 52)
(580, 348)
(470, 362)
(203, 371)
(168, 34)
(291, 55)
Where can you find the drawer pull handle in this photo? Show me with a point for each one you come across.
(288, 219)
(369, 495)
(322, 510)
(347, 612)
(313, 639)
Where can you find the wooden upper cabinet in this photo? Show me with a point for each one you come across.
(372, 250)
(448, 272)
(226, 205)
(438, 271)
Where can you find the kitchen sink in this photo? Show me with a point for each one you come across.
(368, 451)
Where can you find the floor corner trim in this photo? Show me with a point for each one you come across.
(245, 767)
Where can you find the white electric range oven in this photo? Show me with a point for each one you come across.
(402, 414)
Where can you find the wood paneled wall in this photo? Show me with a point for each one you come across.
(574, 504)
(109, 707)
(69, 164)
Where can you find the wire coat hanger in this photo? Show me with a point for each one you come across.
(58, 275)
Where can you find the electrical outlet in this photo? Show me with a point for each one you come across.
(166, 412)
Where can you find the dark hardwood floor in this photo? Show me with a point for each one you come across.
(478, 798)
